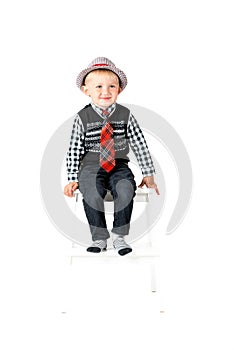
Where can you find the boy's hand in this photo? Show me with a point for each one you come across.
(70, 188)
(149, 182)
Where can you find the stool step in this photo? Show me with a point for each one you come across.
(112, 253)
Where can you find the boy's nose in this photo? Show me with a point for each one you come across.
(105, 90)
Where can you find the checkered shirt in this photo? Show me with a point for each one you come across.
(135, 138)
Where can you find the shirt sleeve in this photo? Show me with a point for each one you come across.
(76, 150)
(139, 147)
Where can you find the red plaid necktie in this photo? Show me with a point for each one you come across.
(107, 150)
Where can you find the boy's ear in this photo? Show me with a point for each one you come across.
(84, 89)
(120, 90)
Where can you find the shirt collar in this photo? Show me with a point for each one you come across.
(99, 110)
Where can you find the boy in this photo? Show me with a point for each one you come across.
(97, 158)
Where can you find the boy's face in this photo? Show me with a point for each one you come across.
(103, 87)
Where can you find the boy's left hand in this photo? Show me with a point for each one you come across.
(149, 182)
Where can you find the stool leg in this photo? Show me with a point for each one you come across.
(153, 276)
(155, 282)
(76, 202)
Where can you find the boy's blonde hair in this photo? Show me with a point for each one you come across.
(99, 71)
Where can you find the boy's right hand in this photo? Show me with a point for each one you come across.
(70, 188)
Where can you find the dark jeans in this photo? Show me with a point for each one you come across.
(93, 184)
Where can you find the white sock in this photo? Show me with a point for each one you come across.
(115, 235)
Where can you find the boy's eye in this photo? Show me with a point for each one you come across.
(100, 86)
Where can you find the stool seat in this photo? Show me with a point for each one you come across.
(142, 195)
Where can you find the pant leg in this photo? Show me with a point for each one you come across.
(92, 185)
(123, 186)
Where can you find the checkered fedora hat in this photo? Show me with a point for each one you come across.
(102, 63)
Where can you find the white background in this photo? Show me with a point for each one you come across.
(178, 57)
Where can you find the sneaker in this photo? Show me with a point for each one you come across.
(121, 246)
(97, 246)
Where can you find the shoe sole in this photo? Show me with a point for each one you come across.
(124, 251)
(95, 249)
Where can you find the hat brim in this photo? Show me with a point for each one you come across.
(121, 75)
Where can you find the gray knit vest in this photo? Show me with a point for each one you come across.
(93, 123)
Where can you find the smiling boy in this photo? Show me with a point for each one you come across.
(97, 159)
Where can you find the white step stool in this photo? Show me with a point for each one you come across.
(142, 251)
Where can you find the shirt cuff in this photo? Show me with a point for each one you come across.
(148, 172)
(73, 178)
